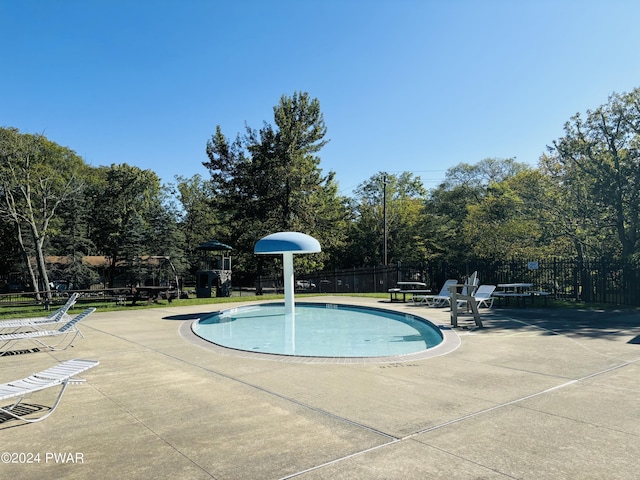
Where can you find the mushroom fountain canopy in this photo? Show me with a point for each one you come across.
(283, 242)
(286, 244)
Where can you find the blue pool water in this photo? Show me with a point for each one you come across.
(319, 330)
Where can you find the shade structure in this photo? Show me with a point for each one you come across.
(281, 242)
(286, 244)
(213, 246)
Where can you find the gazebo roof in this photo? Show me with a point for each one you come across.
(213, 246)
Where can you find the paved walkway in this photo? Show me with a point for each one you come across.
(537, 394)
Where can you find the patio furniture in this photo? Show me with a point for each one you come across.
(462, 298)
(59, 375)
(439, 300)
(39, 337)
(482, 296)
(519, 291)
(404, 288)
(468, 288)
(60, 315)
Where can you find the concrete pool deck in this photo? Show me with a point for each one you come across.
(536, 394)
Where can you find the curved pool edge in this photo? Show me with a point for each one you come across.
(450, 342)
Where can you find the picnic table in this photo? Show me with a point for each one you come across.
(150, 294)
(519, 291)
(404, 288)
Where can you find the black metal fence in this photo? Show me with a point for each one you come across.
(600, 281)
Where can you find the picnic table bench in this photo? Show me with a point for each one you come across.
(404, 288)
(519, 291)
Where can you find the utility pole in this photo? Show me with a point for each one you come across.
(384, 213)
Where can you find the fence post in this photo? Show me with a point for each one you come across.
(353, 281)
(375, 280)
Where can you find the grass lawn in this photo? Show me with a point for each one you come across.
(27, 311)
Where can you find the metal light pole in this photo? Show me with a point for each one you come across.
(384, 213)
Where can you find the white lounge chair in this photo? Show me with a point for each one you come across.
(439, 300)
(39, 337)
(60, 375)
(60, 315)
(482, 296)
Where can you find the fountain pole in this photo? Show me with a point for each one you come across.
(289, 287)
(286, 244)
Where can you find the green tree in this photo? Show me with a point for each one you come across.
(573, 214)
(509, 220)
(599, 158)
(448, 205)
(37, 177)
(9, 247)
(404, 195)
(127, 212)
(270, 180)
(165, 240)
(69, 237)
(199, 219)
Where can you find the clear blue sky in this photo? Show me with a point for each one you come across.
(404, 85)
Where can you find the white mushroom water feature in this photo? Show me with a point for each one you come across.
(286, 244)
(325, 330)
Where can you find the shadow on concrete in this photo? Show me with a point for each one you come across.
(585, 323)
(23, 410)
(24, 351)
(187, 316)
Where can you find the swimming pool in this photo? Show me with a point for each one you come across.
(319, 330)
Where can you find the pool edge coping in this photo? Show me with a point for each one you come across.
(450, 342)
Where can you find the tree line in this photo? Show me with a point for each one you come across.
(581, 201)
